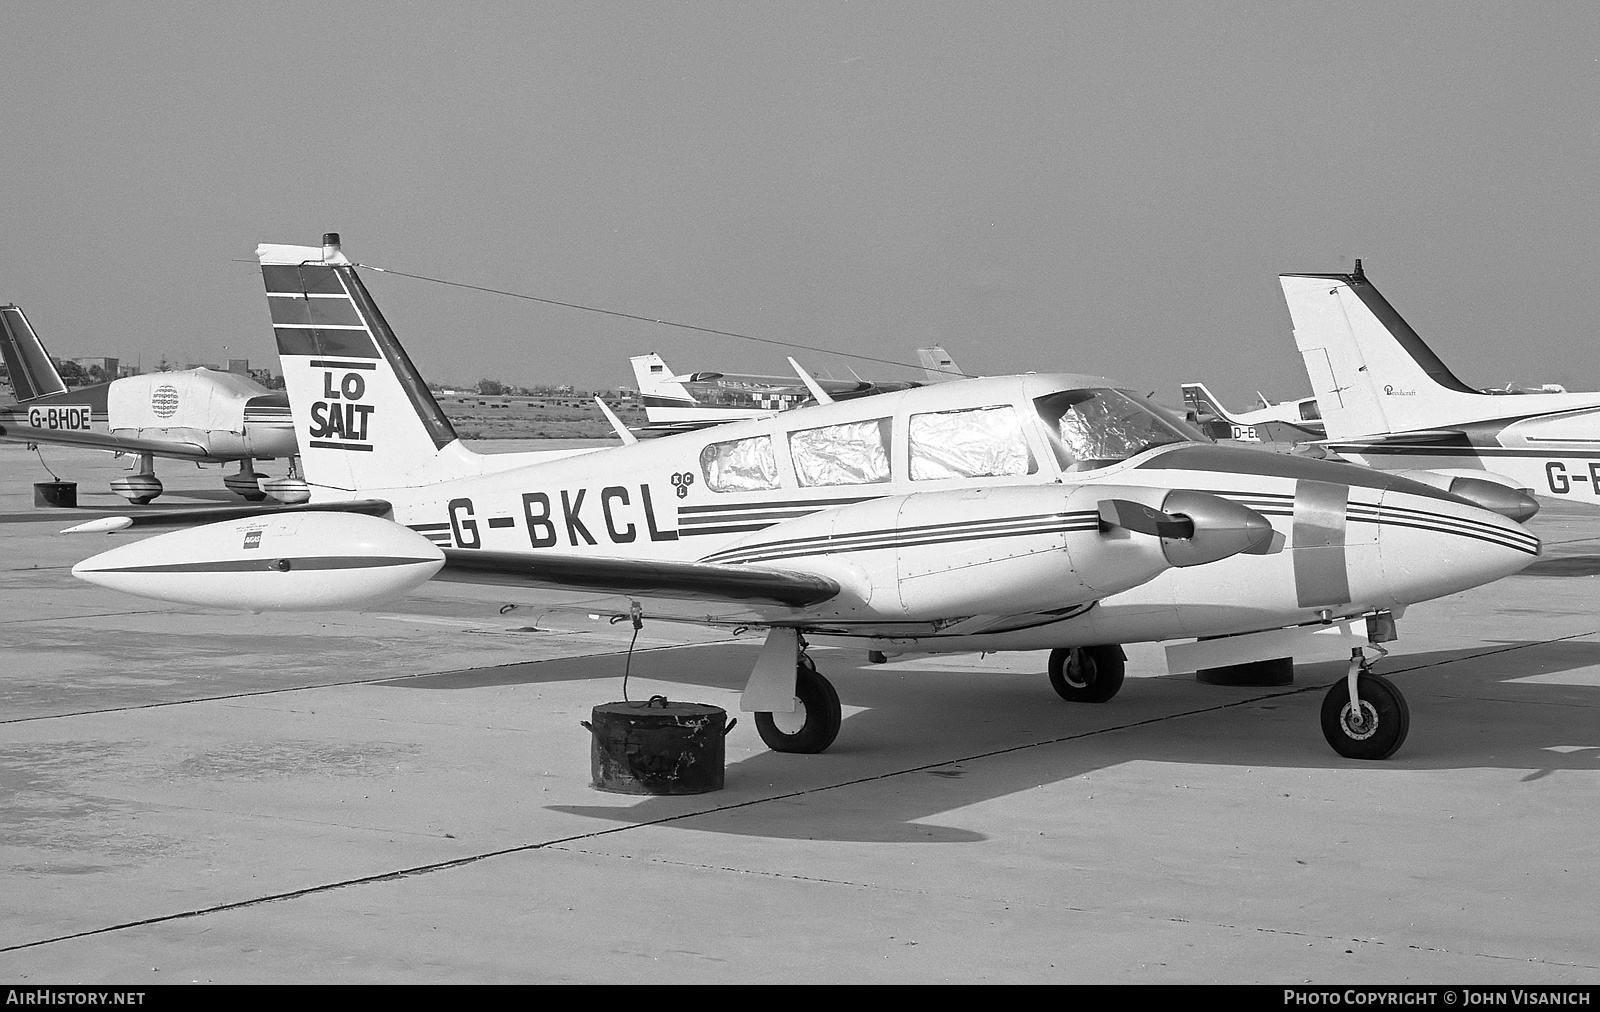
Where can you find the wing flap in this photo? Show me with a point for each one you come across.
(689, 580)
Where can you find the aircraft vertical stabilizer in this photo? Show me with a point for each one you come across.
(658, 387)
(1203, 402)
(1371, 372)
(32, 373)
(363, 415)
(938, 366)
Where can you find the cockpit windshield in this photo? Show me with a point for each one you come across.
(1095, 427)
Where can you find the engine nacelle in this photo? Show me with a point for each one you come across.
(285, 562)
(1002, 550)
(1493, 492)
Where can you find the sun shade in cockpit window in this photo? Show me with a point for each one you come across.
(855, 453)
(739, 465)
(974, 443)
(1095, 427)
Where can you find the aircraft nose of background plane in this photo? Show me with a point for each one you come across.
(1431, 548)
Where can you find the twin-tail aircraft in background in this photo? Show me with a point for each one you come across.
(1285, 422)
(1389, 402)
(194, 414)
(1056, 512)
(680, 403)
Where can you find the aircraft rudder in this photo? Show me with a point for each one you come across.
(363, 416)
(1370, 371)
(32, 372)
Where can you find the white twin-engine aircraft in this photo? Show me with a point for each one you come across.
(1015, 513)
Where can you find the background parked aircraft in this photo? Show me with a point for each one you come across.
(680, 402)
(1284, 422)
(192, 414)
(1388, 401)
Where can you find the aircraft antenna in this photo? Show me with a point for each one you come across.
(664, 323)
(1359, 276)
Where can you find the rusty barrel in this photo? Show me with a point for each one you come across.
(657, 747)
(55, 493)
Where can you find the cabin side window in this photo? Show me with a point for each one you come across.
(1309, 412)
(972, 443)
(855, 453)
(739, 465)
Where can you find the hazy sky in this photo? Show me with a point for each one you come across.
(1092, 187)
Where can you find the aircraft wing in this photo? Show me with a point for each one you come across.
(192, 516)
(104, 441)
(693, 580)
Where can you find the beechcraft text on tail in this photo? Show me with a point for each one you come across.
(192, 414)
(1390, 402)
(1011, 513)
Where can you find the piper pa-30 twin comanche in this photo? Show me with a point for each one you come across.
(194, 414)
(1388, 401)
(1011, 513)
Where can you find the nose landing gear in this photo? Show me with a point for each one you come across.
(1365, 716)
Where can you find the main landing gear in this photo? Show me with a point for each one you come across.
(816, 718)
(1087, 674)
(1364, 716)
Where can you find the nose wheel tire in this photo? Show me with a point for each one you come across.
(816, 718)
(1087, 674)
(1375, 732)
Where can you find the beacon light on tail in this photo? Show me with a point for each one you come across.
(287, 562)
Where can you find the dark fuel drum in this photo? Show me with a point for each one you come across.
(657, 747)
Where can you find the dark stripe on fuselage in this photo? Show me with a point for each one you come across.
(270, 564)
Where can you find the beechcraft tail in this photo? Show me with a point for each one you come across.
(33, 374)
(1390, 402)
(1371, 372)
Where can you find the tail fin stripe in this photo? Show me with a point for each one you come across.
(323, 363)
(310, 341)
(33, 374)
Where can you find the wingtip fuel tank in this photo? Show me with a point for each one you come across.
(288, 562)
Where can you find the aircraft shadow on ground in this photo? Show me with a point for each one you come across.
(1467, 713)
(1563, 566)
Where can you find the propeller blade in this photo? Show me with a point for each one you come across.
(1142, 519)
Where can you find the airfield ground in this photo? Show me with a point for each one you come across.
(403, 796)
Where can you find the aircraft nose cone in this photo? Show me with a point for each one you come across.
(1221, 529)
(1495, 497)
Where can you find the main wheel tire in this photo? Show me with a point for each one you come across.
(816, 718)
(1384, 720)
(1087, 674)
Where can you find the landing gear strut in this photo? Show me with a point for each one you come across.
(1087, 674)
(1364, 716)
(816, 718)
